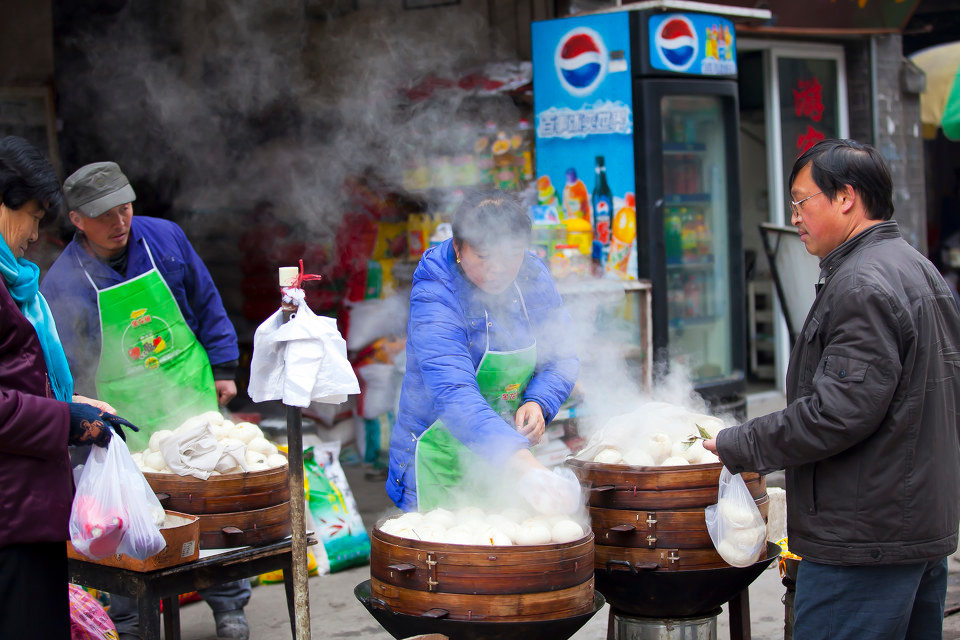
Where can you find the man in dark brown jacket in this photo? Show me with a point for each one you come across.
(869, 438)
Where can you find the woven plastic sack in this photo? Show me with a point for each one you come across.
(343, 537)
(88, 619)
(736, 527)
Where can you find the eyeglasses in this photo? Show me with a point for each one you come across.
(797, 206)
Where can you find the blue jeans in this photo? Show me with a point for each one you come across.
(891, 602)
(223, 597)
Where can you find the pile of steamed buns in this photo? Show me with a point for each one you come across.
(474, 526)
(652, 436)
(244, 438)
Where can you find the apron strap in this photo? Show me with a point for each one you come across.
(90, 278)
(486, 318)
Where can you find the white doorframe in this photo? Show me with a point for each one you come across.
(776, 172)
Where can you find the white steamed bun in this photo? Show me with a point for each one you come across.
(638, 458)
(566, 531)
(158, 438)
(609, 455)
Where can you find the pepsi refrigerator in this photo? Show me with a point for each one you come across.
(644, 104)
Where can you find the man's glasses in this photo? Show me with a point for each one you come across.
(797, 206)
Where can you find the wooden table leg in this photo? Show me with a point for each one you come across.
(740, 616)
(148, 606)
(288, 588)
(171, 618)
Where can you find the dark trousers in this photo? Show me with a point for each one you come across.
(34, 602)
(229, 596)
(889, 602)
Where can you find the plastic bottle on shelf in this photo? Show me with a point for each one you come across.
(673, 228)
(688, 238)
(483, 150)
(576, 198)
(419, 228)
(524, 150)
(504, 163)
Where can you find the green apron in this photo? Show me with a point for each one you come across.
(440, 458)
(152, 368)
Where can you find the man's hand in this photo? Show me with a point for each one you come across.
(226, 391)
(530, 422)
(99, 404)
(711, 446)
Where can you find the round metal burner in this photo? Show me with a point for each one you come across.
(665, 594)
(401, 625)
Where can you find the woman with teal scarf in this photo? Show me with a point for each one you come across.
(39, 415)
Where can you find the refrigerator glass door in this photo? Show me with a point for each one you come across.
(696, 235)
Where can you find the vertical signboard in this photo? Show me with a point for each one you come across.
(583, 101)
(809, 106)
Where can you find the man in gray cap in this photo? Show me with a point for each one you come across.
(143, 328)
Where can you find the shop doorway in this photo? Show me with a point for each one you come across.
(791, 96)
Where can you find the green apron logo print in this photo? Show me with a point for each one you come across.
(147, 339)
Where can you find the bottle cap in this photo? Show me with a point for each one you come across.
(288, 275)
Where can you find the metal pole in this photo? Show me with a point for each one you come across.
(301, 590)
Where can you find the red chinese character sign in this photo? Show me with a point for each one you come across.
(809, 107)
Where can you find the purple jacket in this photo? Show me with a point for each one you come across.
(36, 486)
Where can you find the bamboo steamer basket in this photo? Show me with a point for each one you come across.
(235, 509)
(652, 518)
(223, 493)
(482, 583)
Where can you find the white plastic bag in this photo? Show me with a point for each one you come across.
(302, 360)
(736, 527)
(145, 514)
(114, 509)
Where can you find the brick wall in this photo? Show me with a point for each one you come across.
(894, 116)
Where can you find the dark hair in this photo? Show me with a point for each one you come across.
(26, 175)
(838, 162)
(488, 218)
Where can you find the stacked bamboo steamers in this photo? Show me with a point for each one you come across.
(238, 504)
(654, 557)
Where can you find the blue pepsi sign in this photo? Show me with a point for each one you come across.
(693, 43)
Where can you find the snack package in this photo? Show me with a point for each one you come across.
(736, 527)
(344, 539)
(88, 619)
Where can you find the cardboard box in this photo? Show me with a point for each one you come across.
(182, 534)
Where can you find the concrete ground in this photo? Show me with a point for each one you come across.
(336, 613)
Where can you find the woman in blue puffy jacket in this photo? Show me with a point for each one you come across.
(489, 362)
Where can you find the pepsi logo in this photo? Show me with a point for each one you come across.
(581, 61)
(676, 42)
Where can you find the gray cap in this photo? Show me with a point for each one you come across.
(95, 188)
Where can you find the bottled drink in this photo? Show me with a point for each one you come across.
(524, 150)
(672, 227)
(576, 199)
(505, 164)
(602, 204)
(483, 149)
